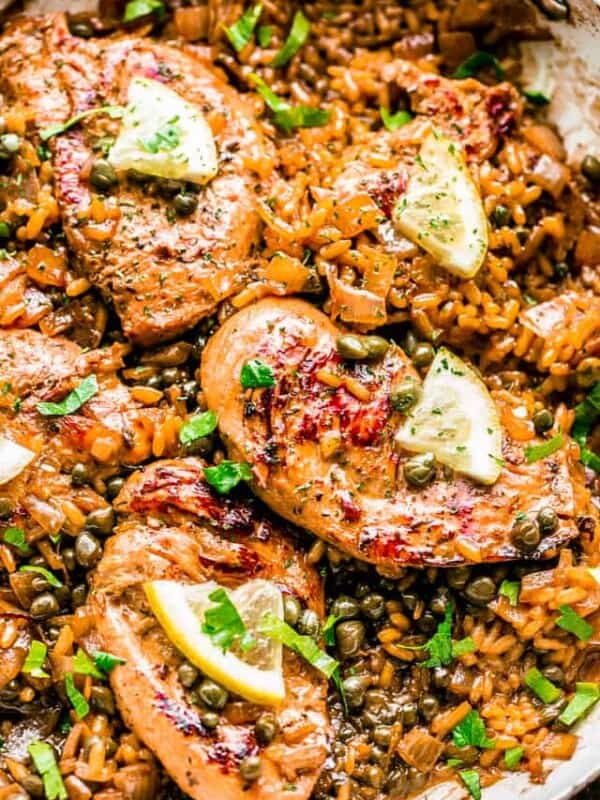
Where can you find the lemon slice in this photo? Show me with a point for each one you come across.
(256, 674)
(13, 459)
(164, 135)
(441, 209)
(456, 420)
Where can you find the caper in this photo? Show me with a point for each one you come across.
(171, 375)
(561, 269)
(80, 474)
(457, 577)
(87, 549)
(405, 395)
(440, 677)
(102, 175)
(44, 605)
(200, 447)
(374, 776)
(439, 602)
(423, 354)
(168, 187)
(187, 674)
(590, 167)
(6, 507)
(352, 347)
(210, 720)
(101, 521)
(136, 176)
(549, 712)
(554, 674)
(154, 381)
(114, 486)
(428, 707)
(547, 520)
(349, 636)
(373, 606)
(419, 470)
(427, 623)
(409, 713)
(382, 735)
(376, 346)
(63, 596)
(266, 727)
(501, 215)
(309, 623)
(39, 584)
(68, 557)
(480, 591)
(9, 145)
(189, 390)
(82, 29)
(103, 700)
(250, 769)
(345, 607)
(525, 534)
(410, 600)
(213, 695)
(33, 785)
(555, 9)
(185, 203)
(543, 420)
(79, 595)
(354, 688)
(291, 610)
(396, 785)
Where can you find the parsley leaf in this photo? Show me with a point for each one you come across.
(510, 589)
(114, 112)
(77, 700)
(226, 475)
(541, 686)
(303, 645)
(52, 579)
(223, 623)
(44, 760)
(296, 38)
(463, 646)
(142, 8)
(106, 661)
(255, 374)
(16, 538)
(394, 121)
(586, 695)
(286, 116)
(240, 33)
(329, 629)
(535, 452)
(476, 61)
(197, 427)
(513, 756)
(470, 778)
(163, 139)
(35, 660)
(471, 731)
(73, 401)
(569, 620)
(536, 98)
(83, 665)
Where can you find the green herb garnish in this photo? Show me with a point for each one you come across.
(586, 695)
(510, 589)
(197, 427)
(265, 34)
(471, 732)
(537, 98)
(83, 665)
(77, 700)
(587, 414)
(143, 8)
(305, 646)
(163, 139)
(470, 778)
(441, 648)
(114, 112)
(329, 629)
(296, 38)
(44, 761)
(34, 660)
(223, 624)
(256, 374)
(226, 475)
(73, 401)
(535, 452)
(240, 33)
(572, 622)
(106, 661)
(394, 121)
(513, 756)
(16, 538)
(286, 116)
(52, 579)
(541, 686)
(477, 61)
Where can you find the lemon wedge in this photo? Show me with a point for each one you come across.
(13, 459)
(456, 420)
(441, 209)
(164, 135)
(256, 673)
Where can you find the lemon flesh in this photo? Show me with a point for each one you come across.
(164, 135)
(256, 674)
(13, 459)
(441, 209)
(456, 420)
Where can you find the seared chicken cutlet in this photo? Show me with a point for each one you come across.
(320, 437)
(171, 236)
(175, 527)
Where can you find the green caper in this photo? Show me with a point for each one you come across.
(590, 167)
(79, 595)
(135, 176)
(266, 727)
(376, 346)
(187, 674)
(543, 420)
(349, 636)
(213, 695)
(409, 713)
(185, 203)
(171, 375)
(547, 520)
(87, 549)
(501, 215)
(82, 29)
(374, 776)
(291, 610)
(439, 602)
(39, 584)
(44, 605)
(63, 596)
(382, 735)
(409, 600)
(457, 577)
(101, 521)
(80, 474)
(423, 354)
(405, 395)
(373, 606)
(68, 557)
(6, 507)
(309, 623)
(103, 699)
(189, 390)
(352, 347)
(554, 674)
(102, 175)
(419, 470)
(210, 720)
(345, 607)
(250, 769)
(429, 706)
(168, 187)
(555, 9)
(114, 486)
(33, 785)
(396, 785)
(561, 269)
(9, 145)
(427, 623)
(440, 677)
(354, 688)
(525, 534)
(480, 591)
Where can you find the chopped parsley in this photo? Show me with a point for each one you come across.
(586, 695)
(476, 61)
(226, 475)
(52, 579)
(197, 427)
(394, 121)
(305, 646)
(541, 686)
(44, 761)
(163, 139)
(106, 661)
(77, 700)
(510, 589)
(286, 116)
(265, 34)
(471, 732)
(442, 650)
(83, 665)
(587, 414)
(114, 112)
(569, 620)
(240, 33)
(536, 98)
(223, 624)
(513, 756)
(535, 452)
(34, 660)
(255, 374)
(470, 778)
(135, 9)
(296, 38)
(73, 401)
(329, 629)
(16, 538)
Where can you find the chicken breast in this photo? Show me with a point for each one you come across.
(163, 271)
(174, 527)
(321, 446)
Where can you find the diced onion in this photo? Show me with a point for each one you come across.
(13, 459)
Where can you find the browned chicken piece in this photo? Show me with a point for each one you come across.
(321, 445)
(163, 272)
(174, 527)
